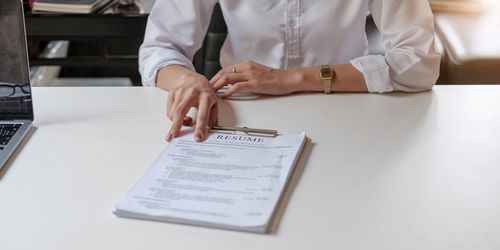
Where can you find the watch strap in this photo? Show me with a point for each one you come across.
(327, 74)
(327, 86)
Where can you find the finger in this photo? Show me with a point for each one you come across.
(170, 102)
(176, 101)
(228, 70)
(202, 117)
(230, 79)
(214, 115)
(187, 121)
(242, 86)
(180, 112)
(224, 71)
(216, 77)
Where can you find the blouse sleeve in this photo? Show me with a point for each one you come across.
(175, 31)
(411, 62)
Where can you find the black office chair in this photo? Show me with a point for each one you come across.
(206, 60)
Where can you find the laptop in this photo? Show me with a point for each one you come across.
(16, 109)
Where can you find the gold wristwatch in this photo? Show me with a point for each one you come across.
(327, 74)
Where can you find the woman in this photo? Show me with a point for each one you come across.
(279, 47)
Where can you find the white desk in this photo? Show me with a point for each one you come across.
(396, 171)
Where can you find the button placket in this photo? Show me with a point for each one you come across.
(293, 34)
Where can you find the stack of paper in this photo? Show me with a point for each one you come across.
(68, 6)
(229, 181)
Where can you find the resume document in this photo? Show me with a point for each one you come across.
(230, 181)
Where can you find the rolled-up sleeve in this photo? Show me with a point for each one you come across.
(175, 31)
(411, 62)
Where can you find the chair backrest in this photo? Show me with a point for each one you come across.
(206, 60)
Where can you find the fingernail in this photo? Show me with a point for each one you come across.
(198, 137)
(169, 137)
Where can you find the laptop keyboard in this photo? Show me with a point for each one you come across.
(6, 133)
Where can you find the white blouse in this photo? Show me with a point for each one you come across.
(289, 34)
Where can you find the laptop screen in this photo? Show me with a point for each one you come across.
(15, 91)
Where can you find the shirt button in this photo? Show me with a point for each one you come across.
(292, 22)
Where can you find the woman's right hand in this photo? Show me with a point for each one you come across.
(192, 90)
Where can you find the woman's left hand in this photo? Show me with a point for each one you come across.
(257, 78)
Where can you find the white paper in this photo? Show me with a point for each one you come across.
(230, 180)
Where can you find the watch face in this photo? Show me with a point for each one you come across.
(326, 72)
